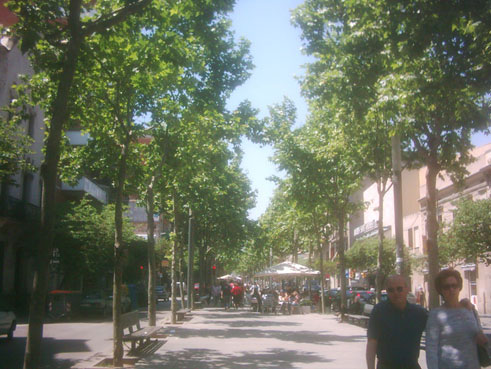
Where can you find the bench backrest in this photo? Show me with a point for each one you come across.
(130, 321)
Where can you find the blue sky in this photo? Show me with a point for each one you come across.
(275, 46)
(276, 51)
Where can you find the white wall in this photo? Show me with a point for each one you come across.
(13, 63)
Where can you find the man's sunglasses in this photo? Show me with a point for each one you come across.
(392, 290)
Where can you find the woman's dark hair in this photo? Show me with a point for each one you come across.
(443, 275)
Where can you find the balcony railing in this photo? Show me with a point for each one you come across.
(365, 228)
(87, 186)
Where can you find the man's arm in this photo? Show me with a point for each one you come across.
(371, 353)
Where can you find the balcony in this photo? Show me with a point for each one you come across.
(368, 229)
(84, 185)
(19, 210)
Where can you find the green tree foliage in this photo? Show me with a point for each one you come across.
(323, 170)
(279, 224)
(85, 238)
(468, 237)
(253, 254)
(169, 83)
(420, 66)
(14, 142)
(363, 255)
(52, 33)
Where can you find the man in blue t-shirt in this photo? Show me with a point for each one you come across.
(395, 329)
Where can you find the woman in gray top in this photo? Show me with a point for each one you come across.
(452, 330)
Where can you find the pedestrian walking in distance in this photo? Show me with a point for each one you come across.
(256, 292)
(226, 295)
(394, 329)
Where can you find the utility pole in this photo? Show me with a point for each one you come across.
(397, 183)
(190, 261)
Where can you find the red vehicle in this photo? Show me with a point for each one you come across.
(63, 304)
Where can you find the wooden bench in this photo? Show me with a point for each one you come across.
(136, 334)
(360, 320)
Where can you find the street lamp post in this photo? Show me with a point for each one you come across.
(397, 183)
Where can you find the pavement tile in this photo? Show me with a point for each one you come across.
(241, 339)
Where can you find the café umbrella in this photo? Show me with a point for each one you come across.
(232, 277)
(288, 269)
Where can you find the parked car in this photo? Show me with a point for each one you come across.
(314, 286)
(366, 296)
(161, 293)
(101, 302)
(62, 304)
(96, 302)
(8, 321)
(369, 306)
(334, 298)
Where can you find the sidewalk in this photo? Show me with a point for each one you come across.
(213, 338)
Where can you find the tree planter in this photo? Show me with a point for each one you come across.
(305, 309)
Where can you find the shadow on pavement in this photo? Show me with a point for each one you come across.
(12, 352)
(208, 359)
(282, 335)
(247, 323)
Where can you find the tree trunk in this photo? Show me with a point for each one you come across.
(295, 246)
(342, 262)
(181, 276)
(432, 231)
(321, 267)
(49, 175)
(151, 255)
(397, 184)
(203, 281)
(311, 251)
(190, 261)
(174, 262)
(118, 257)
(320, 246)
(380, 226)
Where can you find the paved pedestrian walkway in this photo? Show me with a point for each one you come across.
(213, 338)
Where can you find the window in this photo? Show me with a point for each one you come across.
(417, 238)
(31, 122)
(410, 238)
(27, 187)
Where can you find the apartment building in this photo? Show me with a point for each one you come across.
(477, 277)
(20, 199)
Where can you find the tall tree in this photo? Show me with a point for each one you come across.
(426, 60)
(54, 33)
(348, 69)
(324, 171)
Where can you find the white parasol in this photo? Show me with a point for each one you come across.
(232, 276)
(288, 270)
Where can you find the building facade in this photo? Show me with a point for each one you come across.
(20, 199)
(477, 276)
